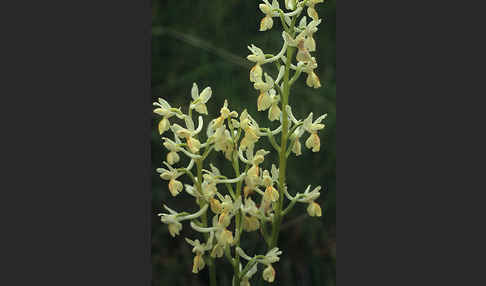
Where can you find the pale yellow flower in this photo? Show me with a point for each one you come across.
(269, 274)
(313, 142)
(174, 229)
(314, 209)
(175, 187)
(297, 148)
(215, 206)
(198, 263)
(250, 223)
(274, 112)
(200, 100)
(264, 101)
(313, 80)
(271, 194)
(267, 22)
(164, 125)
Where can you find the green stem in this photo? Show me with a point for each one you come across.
(282, 154)
(236, 265)
(211, 264)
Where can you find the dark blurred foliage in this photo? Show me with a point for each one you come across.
(206, 42)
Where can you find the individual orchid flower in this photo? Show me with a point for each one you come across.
(166, 111)
(225, 113)
(311, 11)
(224, 237)
(314, 209)
(269, 10)
(252, 178)
(274, 112)
(269, 274)
(295, 137)
(258, 57)
(199, 249)
(271, 257)
(171, 175)
(271, 194)
(188, 133)
(223, 141)
(251, 128)
(250, 216)
(312, 78)
(313, 142)
(200, 100)
(303, 54)
(309, 42)
(172, 156)
(229, 208)
(173, 219)
(264, 101)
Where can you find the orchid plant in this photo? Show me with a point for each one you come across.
(253, 198)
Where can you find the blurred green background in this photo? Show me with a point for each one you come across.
(206, 42)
